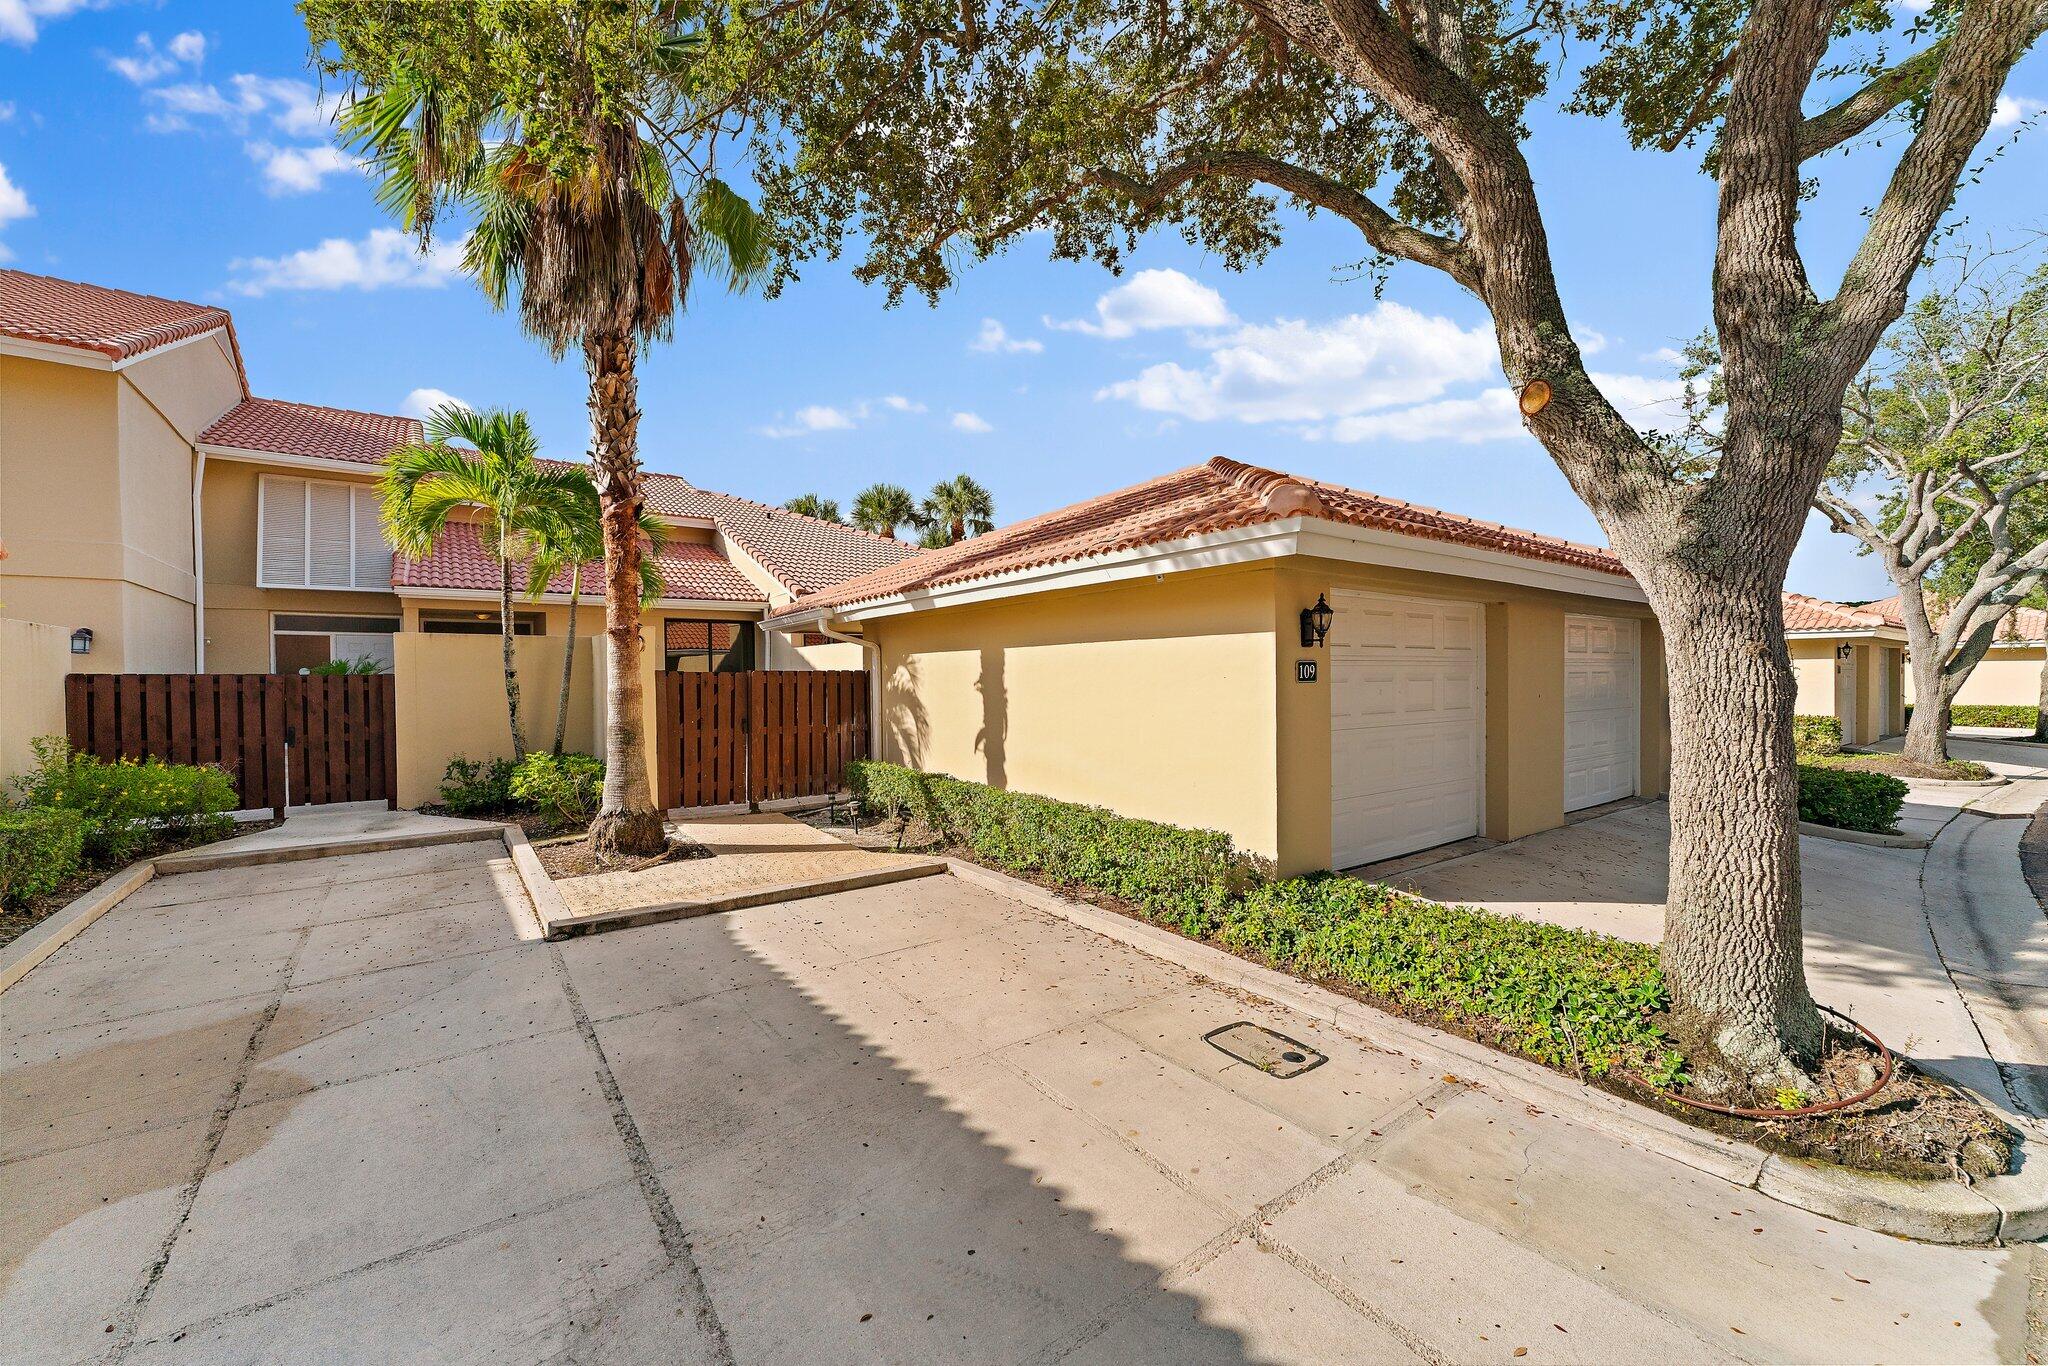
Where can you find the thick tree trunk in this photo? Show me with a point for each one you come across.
(1732, 951)
(2041, 703)
(568, 661)
(627, 821)
(1927, 731)
(505, 638)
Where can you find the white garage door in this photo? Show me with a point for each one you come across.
(1405, 725)
(1599, 710)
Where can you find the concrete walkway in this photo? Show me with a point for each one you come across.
(1942, 951)
(335, 1110)
(325, 831)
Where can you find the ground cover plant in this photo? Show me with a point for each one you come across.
(1816, 735)
(1584, 1003)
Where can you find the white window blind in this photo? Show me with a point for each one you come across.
(319, 534)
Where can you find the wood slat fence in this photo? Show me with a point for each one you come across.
(763, 735)
(284, 737)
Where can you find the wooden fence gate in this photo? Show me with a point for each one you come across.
(286, 738)
(722, 738)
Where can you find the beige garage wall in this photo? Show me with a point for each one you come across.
(2004, 678)
(1154, 697)
(450, 694)
(33, 661)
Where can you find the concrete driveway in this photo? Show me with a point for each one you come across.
(336, 1110)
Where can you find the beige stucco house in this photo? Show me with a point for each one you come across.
(1147, 651)
(2009, 675)
(1850, 663)
(147, 497)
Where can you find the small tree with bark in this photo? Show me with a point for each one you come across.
(1950, 428)
(945, 132)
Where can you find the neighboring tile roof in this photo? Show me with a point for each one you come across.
(1217, 496)
(805, 554)
(1818, 614)
(113, 322)
(459, 560)
(2022, 624)
(699, 635)
(276, 427)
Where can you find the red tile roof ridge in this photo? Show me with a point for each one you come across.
(324, 408)
(119, 339)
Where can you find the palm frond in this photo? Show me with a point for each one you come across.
(729, 234)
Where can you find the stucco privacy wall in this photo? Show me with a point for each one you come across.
(1814, 670)
(1153, 697)
(2003, 678)
(237, 611)
(33, 661)
(450, 694)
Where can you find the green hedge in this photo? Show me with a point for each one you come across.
(566, 787)
(1987, 714)
(1816, 735)
(38, 850)
(129, 805)
(1178, 875)
(1850, 799)
(1566, 997)
(471, 787)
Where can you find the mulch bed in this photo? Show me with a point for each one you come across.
(572, 856)
(1899, 766)
(19, 920)
(1916, 1127)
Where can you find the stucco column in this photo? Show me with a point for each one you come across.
(1302, 730)
(1653, 712)
(1524, 718)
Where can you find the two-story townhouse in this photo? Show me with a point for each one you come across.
(147, 497)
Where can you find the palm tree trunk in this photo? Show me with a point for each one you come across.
(505, 636)
(568, 660)
(627, 821)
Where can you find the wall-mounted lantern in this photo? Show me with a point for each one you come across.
(81, 641)
(1315, 623)
(1844, 651)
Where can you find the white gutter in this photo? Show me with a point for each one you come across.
(871, 649)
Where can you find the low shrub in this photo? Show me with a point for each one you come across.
(1850, 799)
(129, 805)
(567, 787)
(1987, 714)
(1568, 998)
(39, 849)
(471, 787)
(1183, 877)
(1813, 736)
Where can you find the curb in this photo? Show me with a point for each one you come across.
(1961, 782)
(546, 898)
(201, 861)
(60, 929)
(1833, 832)
(2001, 1209)
(569, 926)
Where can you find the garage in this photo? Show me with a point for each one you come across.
(1600, 698)
(1406, 724)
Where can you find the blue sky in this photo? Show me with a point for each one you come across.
(178, 149)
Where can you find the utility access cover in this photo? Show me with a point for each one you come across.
(1274, 1054)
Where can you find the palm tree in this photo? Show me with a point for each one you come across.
(512, 493)
(955, 509)
(813, 505)
(881, 508)
(569, 540)
(568, 135)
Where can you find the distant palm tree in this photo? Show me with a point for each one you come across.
(955, 509)
(881, 508)
(570, 540)
(514, 496)
(813, 505)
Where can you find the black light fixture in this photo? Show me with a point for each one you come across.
(1315, 623)
(81, 641)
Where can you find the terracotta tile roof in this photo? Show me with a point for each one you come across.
(1217, 496)
(805, 554)
(276, 427)
(460, 561)
(2021, 624)
(113, 322)
(1818, 614)
(699, 635)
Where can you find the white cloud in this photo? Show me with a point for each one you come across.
(824, 417)
(6, 111)
(20, 19)
(147, 64)
(385, 258)
(13, 204)
(1490, 416)
(995, 337)
(420, 402)
(1591, 343)
(2010, 109)
(297, 170)
(971, 423)
(895, 403)
(1296, 371)
(1150, 300)
(291, 107)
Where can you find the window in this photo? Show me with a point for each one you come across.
(707, 646)
(481, 623)
(300, 642)
(313, 533)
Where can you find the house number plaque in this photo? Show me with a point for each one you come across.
(1304, 671)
